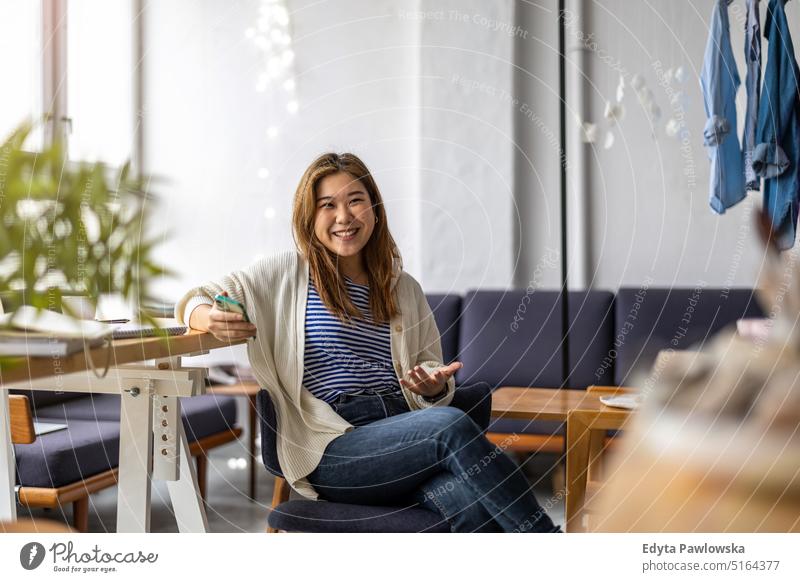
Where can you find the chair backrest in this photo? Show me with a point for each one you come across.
(22, 431)
(269, 436)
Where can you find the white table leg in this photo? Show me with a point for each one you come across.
(8, 501)
(189, 510)
(166, 444)
(135, 460)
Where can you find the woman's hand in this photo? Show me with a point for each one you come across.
(424, 384)
(229, 326)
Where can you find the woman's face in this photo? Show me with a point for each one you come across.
(344, 218)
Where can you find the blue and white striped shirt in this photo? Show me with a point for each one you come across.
(346, 358)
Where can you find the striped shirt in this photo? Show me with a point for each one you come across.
(339, 357)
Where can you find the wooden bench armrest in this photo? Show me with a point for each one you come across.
(22, 432)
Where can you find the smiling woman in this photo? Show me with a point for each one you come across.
(340, 225)
(346, 339)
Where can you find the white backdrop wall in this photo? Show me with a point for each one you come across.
(454, 106)
(206, 125)
(647, 196)
(466, 144)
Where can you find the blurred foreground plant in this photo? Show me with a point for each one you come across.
(71, 228)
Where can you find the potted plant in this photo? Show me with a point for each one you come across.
(71, 228)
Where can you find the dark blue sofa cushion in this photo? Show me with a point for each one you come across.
(39, 399)
(85, 448)
(327, 517)
(650, 320)
(447, 312)
(512, 338)
(202, 415)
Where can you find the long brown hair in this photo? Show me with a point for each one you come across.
(379, 253)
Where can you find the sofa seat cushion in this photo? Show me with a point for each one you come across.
(40, 399)
(202, 415)
(85, 448)
(327, 517)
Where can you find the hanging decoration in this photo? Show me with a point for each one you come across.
(276, 79)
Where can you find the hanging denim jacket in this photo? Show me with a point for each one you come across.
(776, 156)
(719, 81)
(752, 57)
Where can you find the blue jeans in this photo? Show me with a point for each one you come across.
(437, 457)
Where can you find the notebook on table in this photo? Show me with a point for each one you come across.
(31, 332)
(139, 330)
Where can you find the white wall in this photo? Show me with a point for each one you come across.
(454, 105)
(648, 198)
(206, 124)
(466, 144)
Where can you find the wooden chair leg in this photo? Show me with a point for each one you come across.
(279, 494)
(80, 514)
(202, 473)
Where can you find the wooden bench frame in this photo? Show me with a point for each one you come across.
(77, 493)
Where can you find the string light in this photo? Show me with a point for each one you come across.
(272, 38)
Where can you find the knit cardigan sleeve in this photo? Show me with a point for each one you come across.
(240, 284)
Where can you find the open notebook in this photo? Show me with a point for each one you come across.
(47, 333)
(134, 330)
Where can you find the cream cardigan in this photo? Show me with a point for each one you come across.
(274, 291)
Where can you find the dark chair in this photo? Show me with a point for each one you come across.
(309, 516)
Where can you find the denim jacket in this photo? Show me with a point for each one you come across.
(776, 156)
(752, 58)
(719, 81)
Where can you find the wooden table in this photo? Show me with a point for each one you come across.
(584, 414)
(150, 419)
(541, 403)
(586, 434)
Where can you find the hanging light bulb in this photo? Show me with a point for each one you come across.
(673, 127)
(621, 89)
(589, 132)
(608, 141)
